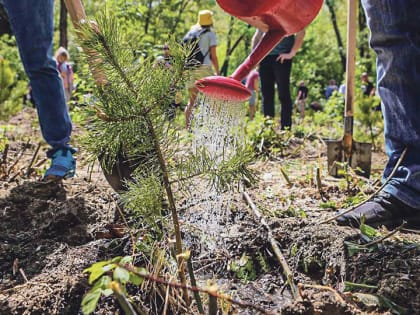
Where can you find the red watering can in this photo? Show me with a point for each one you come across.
(277, 18)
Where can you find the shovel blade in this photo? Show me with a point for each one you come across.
(360, 158)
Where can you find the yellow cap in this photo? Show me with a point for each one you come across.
(205, 18)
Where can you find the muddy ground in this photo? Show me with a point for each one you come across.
(51, 232)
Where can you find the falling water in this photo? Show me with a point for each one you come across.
(217, 127)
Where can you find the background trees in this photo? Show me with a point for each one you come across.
(150, 23)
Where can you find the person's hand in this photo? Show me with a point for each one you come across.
(283, 57)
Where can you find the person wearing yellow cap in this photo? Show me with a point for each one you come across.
(207, 44)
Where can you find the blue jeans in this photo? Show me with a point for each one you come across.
(395, 37)
(273, 72)
(32, 23)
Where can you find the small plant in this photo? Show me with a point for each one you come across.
(110, 277)
(244, 268)
(264, 138)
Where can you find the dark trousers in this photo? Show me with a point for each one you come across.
(273, 72)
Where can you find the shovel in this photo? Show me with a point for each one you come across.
(347, 151)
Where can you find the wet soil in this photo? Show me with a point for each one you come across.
(50, 232)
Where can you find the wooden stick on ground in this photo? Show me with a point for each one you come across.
(279, 255)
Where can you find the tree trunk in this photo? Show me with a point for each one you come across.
(182, 7)
(148, 17)
(330, 5)
(63, 25)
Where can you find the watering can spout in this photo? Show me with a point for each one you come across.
(270, 39)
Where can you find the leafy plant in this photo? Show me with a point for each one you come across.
(12, 88)
(108, 277)
(244, 268)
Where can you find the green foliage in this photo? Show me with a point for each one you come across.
(144, 197)
(103, 274)
(243, 268)
(3, 142)
(263, 137)
(137, 95)
(369, 119)
(13, 84)
(9, 52)
(369, 231)
(220, 176)
(328, 205)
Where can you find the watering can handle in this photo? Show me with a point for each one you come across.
(350, 77)
(263, 48)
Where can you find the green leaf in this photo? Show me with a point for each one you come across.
(102, 283)
(116, 259)
(97, 265)
(109, 267)
(107, 292)
(135, 279)
(122, 275)
(353, 248)
(368, 231)
(126, 260)
(95, 274)
(90, 301)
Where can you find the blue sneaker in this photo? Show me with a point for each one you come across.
(63, 164)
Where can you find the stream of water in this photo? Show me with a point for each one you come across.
(218, 126)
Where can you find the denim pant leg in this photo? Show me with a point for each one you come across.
(282, 74)
(267, 80)
(395, 37)
(32, 24)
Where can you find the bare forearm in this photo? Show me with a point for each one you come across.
(298, 42)
(256, 38)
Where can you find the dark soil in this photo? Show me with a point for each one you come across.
(51, 232)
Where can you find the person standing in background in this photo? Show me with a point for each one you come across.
(276, 68)
(62, 57)
(207, 43)
(330, 89)
(252, 84)
(301, 98)
(368, 88)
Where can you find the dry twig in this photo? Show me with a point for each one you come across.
(279, 255)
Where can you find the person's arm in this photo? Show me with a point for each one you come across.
(214, 60)
(296, 46)
(257, 84)
(372, 91)
(64, 75)
(256, 38)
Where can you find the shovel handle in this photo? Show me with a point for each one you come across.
(76, 11)
(350, 76)
(351, 57)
